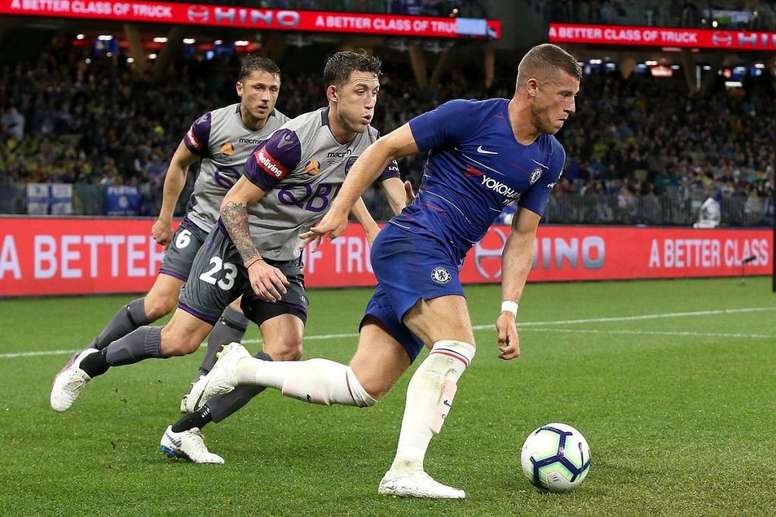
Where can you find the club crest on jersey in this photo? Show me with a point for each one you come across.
(440, 275)
(313, 167)
(227, 149)
(349, 163)
(535, 175)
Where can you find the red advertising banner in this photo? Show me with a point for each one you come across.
(48, 256)
(661, 37)
(257, 18)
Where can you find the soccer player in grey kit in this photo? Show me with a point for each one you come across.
(288, 184)
(221, 140)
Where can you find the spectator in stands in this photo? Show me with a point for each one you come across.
(709, 215)
(12, 123)
(101, 124)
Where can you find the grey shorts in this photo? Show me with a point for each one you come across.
(218, 277)
(179, 255)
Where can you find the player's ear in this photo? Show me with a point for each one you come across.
(331, 93)
(532, 86)
(239, 87)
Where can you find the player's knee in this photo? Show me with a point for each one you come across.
(158, 306)
(175, 343)
(367, 394)
(376, 389)
(289, 349)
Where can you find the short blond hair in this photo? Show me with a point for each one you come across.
(543, 60)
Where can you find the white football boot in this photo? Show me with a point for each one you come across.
(222, 378)
(189, 403)
(416, 484)
(69, 382)
(189, 445)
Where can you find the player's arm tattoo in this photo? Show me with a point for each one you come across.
(235, 218)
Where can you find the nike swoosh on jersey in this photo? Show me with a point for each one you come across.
(484, 151)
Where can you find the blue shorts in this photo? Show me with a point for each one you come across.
(409, 267)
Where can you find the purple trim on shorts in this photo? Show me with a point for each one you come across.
(163, 271)
(199, 315)
(300, 308)
(191, 225)
(188, 223)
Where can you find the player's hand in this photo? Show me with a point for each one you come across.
(332, 225)
(268, 282)
(161, 231)
(409, 192)
(508, 340)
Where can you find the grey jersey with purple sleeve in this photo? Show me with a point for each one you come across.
(300, 168)
(224, 144)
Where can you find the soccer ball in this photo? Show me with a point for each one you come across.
(556, 458)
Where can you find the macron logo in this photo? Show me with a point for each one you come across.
(269, 165)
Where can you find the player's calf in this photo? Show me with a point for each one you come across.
(128, 318)
(318, 381)
(230, 328)
(325, 382)
(176, 342)
(429, 398)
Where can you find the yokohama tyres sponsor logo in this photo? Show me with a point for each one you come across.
(500, 188)
(269, 165)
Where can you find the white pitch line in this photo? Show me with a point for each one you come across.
(650, 316)
(524, 325)
(35, 354)
(656, 333)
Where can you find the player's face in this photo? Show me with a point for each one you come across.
(554, 101)
(258, 93)
(356, 100)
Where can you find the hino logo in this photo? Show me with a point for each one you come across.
(256, 17)
(754, 40)
(198, 14)
(759, 40)
(482, 254)
(551, 254)
(722, 39)
(501, 189)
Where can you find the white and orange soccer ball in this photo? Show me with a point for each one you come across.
(555, 458)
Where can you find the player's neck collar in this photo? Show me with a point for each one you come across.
(325, 123)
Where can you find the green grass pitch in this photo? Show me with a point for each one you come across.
(673, 383)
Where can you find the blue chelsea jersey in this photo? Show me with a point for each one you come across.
(475, 168)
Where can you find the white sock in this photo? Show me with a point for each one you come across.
(319, 381)
(429, 397)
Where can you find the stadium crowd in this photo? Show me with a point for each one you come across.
(633, 146)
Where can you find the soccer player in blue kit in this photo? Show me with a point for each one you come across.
(483, 155)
